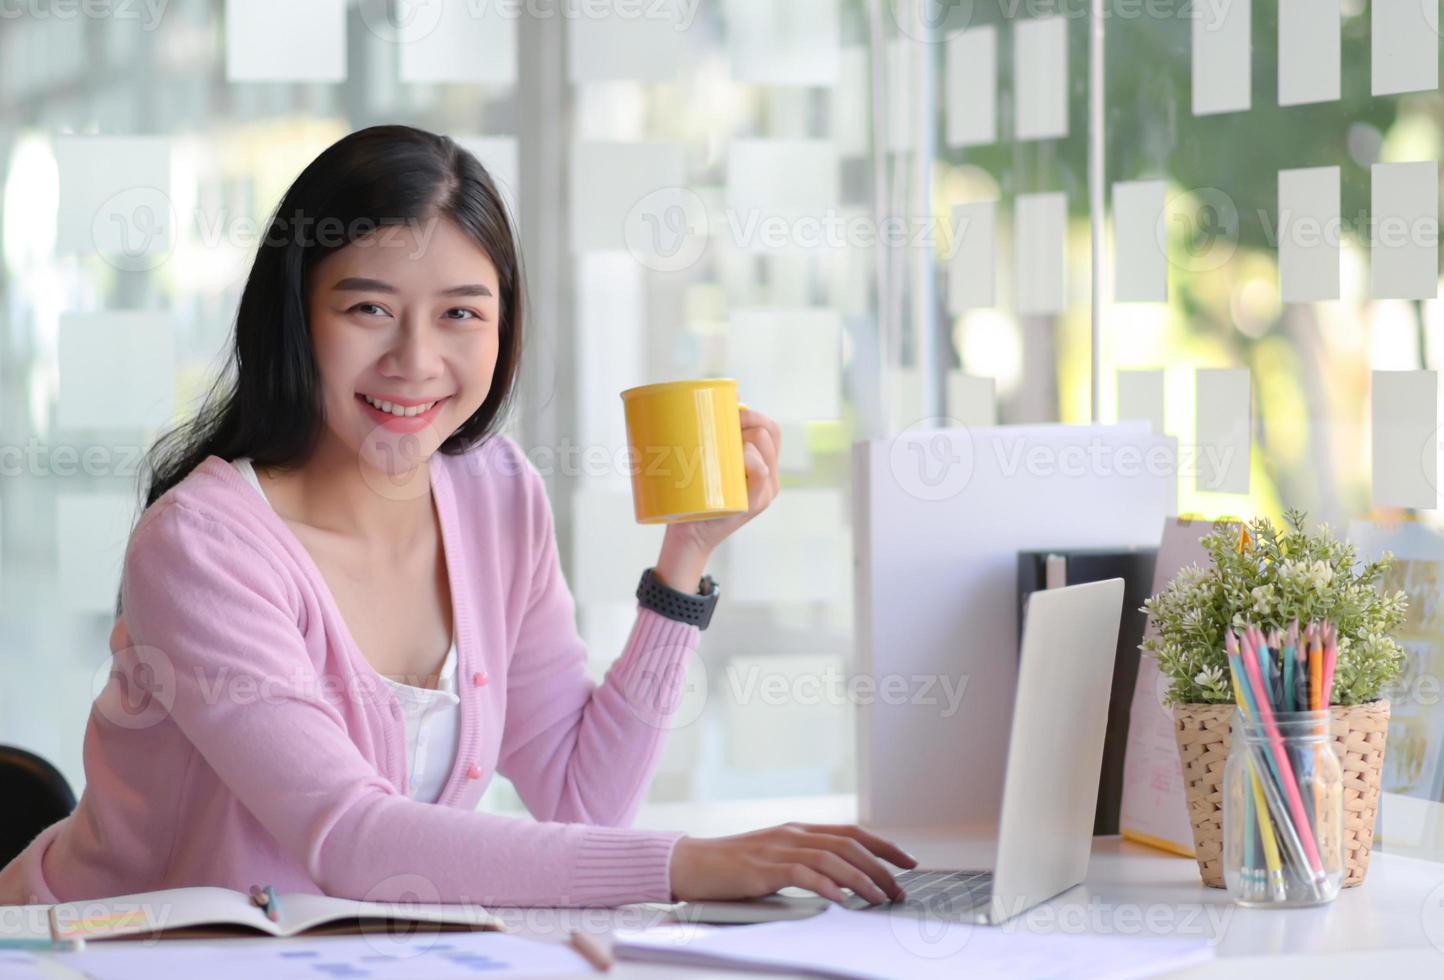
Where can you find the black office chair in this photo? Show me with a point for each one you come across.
(35, 795)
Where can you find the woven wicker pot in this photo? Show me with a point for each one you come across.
(1203, 734)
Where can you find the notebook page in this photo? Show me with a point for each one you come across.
(302, 912)
(145, 913)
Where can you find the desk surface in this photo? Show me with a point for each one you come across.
(1392, 925)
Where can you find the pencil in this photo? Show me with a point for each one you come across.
(590, 950)
(1286, 776)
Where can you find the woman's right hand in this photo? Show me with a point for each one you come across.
(824, 858)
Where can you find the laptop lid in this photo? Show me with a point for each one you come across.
(1060, 715)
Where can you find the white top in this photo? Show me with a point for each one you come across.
(433, 716)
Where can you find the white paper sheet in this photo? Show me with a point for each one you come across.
(1222, 76)
(972, 401)
(1405, 46)
(843, 943)
(1404, 259)
(498, 154)
(638, 42)
(1140, 264)
(1223, 414)
(458, 41)
(117, 370)
(1040, 78)
(788, 363)
(1308, 51)
(1155, 805)
(1039, 244)
(612, 183)
(448, 956)
(285, 41)
(1309, 229)
(972, 269)
(971, 87)
(1140, 397)
(792, 43)
(115, 198)
(1405, 420)
(91, 530)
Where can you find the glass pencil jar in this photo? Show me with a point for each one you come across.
(1283, 811)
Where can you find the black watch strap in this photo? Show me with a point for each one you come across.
(695, 609)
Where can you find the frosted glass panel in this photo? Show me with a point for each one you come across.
(971, 87)
(1308, 51)
(1405, 254)
(792, 43)
(1224, 414)
(1140, 267)
(1309, 234)
(115, 198)
(285, 41)
(1222, 73)
(1140, 397)
(1405, 38)
(972, 273)
(613, 184)
(90, 537)
(1405, 411)
(117, 370)
(788, 363)
(1040, 79)
(457, 41)
(1039, 246)
(797, 550)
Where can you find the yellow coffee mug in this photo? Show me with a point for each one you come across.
(685, 450)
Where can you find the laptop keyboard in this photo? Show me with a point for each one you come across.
(943, 894)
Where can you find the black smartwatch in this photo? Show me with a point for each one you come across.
(695, 610)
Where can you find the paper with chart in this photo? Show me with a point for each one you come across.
(880, 946)
(444, 956)
(1416, 723)
(1155, 807)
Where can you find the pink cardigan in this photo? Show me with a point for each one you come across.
(244, 739)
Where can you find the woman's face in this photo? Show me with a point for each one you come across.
(405, 321)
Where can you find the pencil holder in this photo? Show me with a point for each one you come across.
(1360, 733)
(1283, 812)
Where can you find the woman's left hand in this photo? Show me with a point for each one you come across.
(686, 547)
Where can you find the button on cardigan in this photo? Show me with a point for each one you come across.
(243, 738)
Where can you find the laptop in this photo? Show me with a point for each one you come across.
(1050, 788)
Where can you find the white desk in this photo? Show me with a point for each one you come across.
(1383, 927)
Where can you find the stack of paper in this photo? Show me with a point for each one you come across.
(872, 945)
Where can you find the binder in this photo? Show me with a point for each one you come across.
(1049, 569)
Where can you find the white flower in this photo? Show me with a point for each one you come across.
(1262, 596)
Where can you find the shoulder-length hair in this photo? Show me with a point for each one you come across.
(267, 403)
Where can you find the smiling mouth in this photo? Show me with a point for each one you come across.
(397, 410)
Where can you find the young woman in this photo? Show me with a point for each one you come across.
(342, 609)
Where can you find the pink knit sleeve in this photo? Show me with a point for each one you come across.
(574, 749)
(206, 597)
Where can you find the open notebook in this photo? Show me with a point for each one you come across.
(204, 912)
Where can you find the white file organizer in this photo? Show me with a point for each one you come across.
(939, 518)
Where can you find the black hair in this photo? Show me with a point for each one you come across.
(267, 403)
